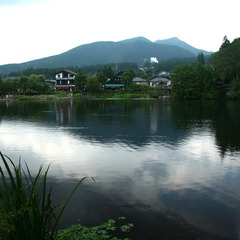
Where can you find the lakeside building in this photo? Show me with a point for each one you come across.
(65, 80)
(115, 82)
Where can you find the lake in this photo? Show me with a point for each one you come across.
(170, 167)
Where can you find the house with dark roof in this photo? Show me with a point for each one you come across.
(65, 80)
(115, 82)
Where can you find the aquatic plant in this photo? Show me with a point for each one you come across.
(26, 210)
(100, 232)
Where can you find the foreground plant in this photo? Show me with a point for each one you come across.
(26, 210)
(103, 231)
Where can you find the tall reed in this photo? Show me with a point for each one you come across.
(26, 201)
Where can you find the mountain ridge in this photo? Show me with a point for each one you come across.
(136, 50)
(177, 42)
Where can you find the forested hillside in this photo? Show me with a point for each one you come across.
(136, 50)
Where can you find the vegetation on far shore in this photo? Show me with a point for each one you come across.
(214, 77)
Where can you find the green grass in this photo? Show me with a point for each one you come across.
(130, 95)
(25, 97)
(79, 95)
(26, 210)
(123, 95)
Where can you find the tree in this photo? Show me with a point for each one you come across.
(127, 77)
(201, 59)
(7, 86)
(37, 84)
(22, 85)
(225, 43)
(227, 61)
(101, 78)
(92, 84)
(107, 71)
(193, 83)
(80, 81)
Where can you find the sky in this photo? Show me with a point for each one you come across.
(32, 29)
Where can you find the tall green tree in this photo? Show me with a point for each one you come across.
(92, 84)
(37, 84)
(22, 84)
(225, 43)
(127, 77)
(227, 61)
(107, 71)
(201, 59)
(102, 79)
(80, 81)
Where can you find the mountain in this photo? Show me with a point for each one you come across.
(179, 43)
(131, 50)
(135, 39)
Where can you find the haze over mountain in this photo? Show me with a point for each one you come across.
(136, 50)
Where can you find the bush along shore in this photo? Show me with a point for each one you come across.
(26, 210)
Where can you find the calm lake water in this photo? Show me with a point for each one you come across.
(171, 168)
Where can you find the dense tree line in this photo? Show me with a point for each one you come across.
(191, 82)
(35, 84)
(90, 70)
(227, 65)
(201, 81)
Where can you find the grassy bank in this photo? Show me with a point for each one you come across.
(86, 95)
(123, 95)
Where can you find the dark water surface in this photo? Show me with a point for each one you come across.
(171, 168)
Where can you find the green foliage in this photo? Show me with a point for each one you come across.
(201, 59)
(234, 92)
(189, 82)
(80, 81)
(227, 64)
(102, 78)
(107, 71)
(170, 64)
(131, 95)
(33, 84)
(92, 84)
(127, 77)
(24, 97)
(79, 95)
(225, 43)
(60, 94)
(138, 88)
(89, 70)
(27, 203)
(37, 84)
(103, 231)
(8, 86)
(6, 226)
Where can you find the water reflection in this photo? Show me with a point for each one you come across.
(175, 162)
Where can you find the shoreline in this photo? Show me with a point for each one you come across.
(84, 97)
